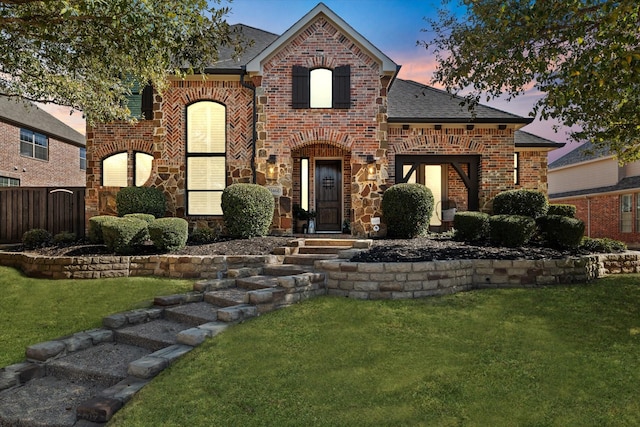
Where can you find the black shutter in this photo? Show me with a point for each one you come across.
(147, 102)
(300, 87)
(342, 87)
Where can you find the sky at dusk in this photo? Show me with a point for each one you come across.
(393, 26)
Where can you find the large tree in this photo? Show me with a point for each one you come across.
(89, 54)
(583, 55)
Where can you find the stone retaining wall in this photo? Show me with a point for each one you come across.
(94, 267)
(421, 279)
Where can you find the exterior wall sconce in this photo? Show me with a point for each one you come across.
(371, 167)
(502, 127)
(272, 168)
(437, 127)
(470, 127)
(405, 127)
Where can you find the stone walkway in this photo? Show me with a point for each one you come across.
(83, 379)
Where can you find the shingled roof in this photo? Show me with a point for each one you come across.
(525, 139)
(582, 153)
(260, 40)
(27, 115)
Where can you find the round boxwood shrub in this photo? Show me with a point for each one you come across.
(603, 245)
(204, 235)
(471, 226)
(561, 231)
(247, 210)
(124, 235)
(143, 216)
(522, 202)
(407, 210)
(563, 210)
(169, 234)
(95, 228)
(148, 200)
(511, 230)
(36, 238)
(64, 238)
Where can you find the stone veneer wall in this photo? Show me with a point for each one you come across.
(405, 280)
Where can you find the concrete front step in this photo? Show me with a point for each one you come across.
(307, 259)
(321, 249)
(286, 269)
(344, 243)
(153, 335)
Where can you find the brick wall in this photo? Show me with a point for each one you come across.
(62, 169)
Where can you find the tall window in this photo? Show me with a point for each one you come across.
(516, 168)
(626, 221)
(321, 87)
(5, 181)
(83, 158)
(115, 169)
(33, 144)
(206, 151)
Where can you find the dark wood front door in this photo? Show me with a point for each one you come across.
(328, 195)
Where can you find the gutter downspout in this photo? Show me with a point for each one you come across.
(254, 120)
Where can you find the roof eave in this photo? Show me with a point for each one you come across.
(449, 120)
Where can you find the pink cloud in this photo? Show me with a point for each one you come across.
(74, 120)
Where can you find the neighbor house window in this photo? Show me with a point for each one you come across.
(516, 168)
(637, 211)
(115, 169)
(206, 161)
(626, 220)
(33, 144)
(83, 159)
(5, 181)
(321, 87)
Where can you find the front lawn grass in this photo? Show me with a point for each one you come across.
(36, 310)
(556, 356)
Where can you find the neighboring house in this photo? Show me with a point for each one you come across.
(318, 116)
(606, 195)
(38, 150)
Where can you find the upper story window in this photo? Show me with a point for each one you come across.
(321, 87)
(83, 158)
(5, 181)
(115, 169)
(206, 157)
(33, 144)
(140, 102)
(516, 168)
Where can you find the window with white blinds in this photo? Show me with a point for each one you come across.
(206, 162)
(114, 170)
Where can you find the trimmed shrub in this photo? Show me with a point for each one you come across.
(471, 226)
(143, 216)
(36, 238)
(148, 200)
(169, 234)
(561, 231)
(247, 210)
(64, 238)
(521, 202)
(563, 210)
(95, 228)
(602, 245)
(204, 235)
(124, 235)
(407, 210)
(511, 230)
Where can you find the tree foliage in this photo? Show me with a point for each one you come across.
(584, 55)
(89, 54)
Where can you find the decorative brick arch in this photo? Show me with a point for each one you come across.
(129, 146)
(438, 144)
(315, 136)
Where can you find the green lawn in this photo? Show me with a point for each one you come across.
(36, 310)
(561, 356)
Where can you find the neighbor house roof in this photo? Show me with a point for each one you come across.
(24, 114)
(629, 183)
(412, 102)
(524, 139)
(582, 153)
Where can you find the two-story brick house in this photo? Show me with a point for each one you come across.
(38, 150)
(318, 116)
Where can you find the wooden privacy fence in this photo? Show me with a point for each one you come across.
(55, 209)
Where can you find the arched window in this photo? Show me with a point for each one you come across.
(320, 84)
(115, 169)
(206, 162)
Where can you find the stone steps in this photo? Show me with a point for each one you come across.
(307, 259)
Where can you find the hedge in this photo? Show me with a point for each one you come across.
(407, 209)
(148, 200)
(523, 202)
(511, 230)
(169, 234)
(247, 210)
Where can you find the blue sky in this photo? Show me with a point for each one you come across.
(394, 26)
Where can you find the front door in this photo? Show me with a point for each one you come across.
(328, 178)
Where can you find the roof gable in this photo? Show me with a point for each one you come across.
(580, 154)
(386, 64)
(524, 139)
(27, 115)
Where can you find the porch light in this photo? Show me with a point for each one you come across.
(272, 168)
(371, 167)
(470, 127)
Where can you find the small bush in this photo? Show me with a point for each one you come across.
(36, 238)
(563, 210)
(204, 235)
(247, 210)
(407, 210)
(471, 226)
(95, 228)
(148, 200)
(124, 235)
(521, 202)
(169, 234)
(64, 238)
(603, 245)
(143, 216)
(511, 230)
(561, 231)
